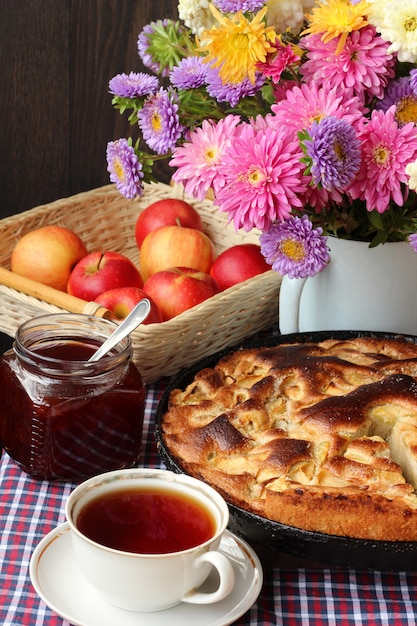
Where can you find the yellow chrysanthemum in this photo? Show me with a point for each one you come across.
(337, 18)
(237, 45)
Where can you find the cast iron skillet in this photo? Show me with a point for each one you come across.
(329, 550)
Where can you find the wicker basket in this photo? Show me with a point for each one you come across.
(105, 220)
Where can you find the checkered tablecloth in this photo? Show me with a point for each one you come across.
(29, 509)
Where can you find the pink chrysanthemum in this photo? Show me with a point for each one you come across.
(306, 104)
(262, 175)
(281, 89)
(198, 160)
(276, 63)
(261, 122)
(363, 68)
(321, 199)
(386, 150)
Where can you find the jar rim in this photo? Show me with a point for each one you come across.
(62, 327)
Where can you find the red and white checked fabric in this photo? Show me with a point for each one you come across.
(29, 509)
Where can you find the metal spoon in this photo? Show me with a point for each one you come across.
(135, 317)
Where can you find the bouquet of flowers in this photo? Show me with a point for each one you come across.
(300, 117)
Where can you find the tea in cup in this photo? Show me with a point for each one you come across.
(147, 539)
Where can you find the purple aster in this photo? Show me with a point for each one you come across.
(159, 122)
(412, 240)
(334, 151)
(133, 85)
(162, 44)
(231, 93)
(124, 167)
(145, 49)
(403, 94)
(413, 80)
(190, 73)
(295, 248)
(233, 6)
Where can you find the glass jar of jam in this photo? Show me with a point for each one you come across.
(62, 417)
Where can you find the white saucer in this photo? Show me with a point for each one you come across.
(60, 584)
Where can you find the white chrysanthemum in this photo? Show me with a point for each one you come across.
(397, 23)
(288, 14)
(196, 15)
(411, 171)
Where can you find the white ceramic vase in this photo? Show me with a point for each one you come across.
(362, 288)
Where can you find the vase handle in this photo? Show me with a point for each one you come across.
(289, 304)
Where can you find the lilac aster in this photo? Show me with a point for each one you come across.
(125, 168)
(159, 122)
(233, 6)
(412, 240)
(294, 248)
(145, 48)
(231, 93)
(190, 73)
(334, 151)
(403, 95)
(262, 176)
(413, 80)
(133, 85)
(162, 44)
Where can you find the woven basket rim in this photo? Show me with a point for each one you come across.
(107, 218)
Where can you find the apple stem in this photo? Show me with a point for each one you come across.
(99, 263)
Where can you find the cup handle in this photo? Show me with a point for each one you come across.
(226, 573)
(289, 304)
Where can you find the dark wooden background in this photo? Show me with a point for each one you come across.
(56, 117)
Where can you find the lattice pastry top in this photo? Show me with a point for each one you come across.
(320, 436)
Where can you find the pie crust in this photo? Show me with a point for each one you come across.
(319, 436)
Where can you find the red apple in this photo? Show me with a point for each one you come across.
(166, 212)
(48, 255)
(98, 272)
(176, 246)
(237, 264)
(122, 300)
(177, 289)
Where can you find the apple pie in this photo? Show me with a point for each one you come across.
(319, 436)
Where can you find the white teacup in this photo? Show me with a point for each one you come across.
(145, 576)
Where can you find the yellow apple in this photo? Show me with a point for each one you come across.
(48, 254)
(176, 246)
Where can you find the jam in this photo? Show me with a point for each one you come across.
(62, 418)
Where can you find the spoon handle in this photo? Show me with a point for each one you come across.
(135, 317)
